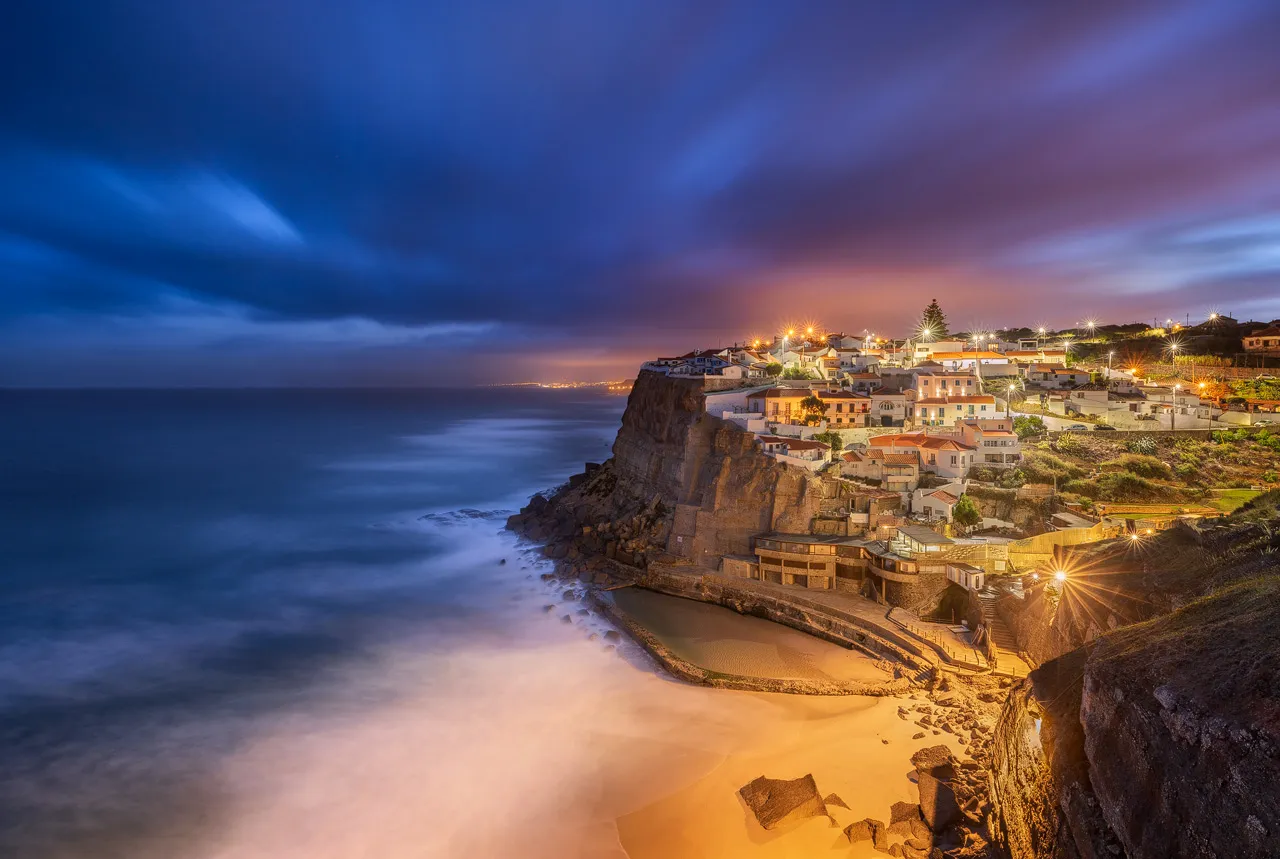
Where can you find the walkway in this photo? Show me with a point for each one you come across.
(859, 611)
(1008, 657)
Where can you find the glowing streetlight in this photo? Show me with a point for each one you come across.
(1135, 537)
(1213, 317)
(1060, 575)
(1110, 355)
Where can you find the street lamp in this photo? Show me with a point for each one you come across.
(1173, 411)
(1110, 355)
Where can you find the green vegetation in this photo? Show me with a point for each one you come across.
(1069, 443)
(933, 321)
(797, 373)
(1041, 467)
(1027, 426)
(773, 369)
(1143, 444)
(1142, 466)
(1230, 500)
(832, 440)
(1121, 486)
(814, 409)
(966, 512)
(1256, 389)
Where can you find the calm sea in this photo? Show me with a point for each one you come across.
(227, 617)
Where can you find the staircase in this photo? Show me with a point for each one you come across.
(1001, 635)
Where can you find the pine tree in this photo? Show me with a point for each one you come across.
(934, 321)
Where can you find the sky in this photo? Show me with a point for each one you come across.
(397, 192)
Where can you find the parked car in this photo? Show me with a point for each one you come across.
(1077, 427)
(1263, 423)
(1105, 427)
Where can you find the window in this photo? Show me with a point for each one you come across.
(953, 460)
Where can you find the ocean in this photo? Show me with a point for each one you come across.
(262, 623)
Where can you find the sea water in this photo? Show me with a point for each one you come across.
(289, 624)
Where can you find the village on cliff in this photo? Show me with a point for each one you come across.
(945, 446)
(992, 519)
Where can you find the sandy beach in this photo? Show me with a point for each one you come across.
(722, 640)
(568, 747)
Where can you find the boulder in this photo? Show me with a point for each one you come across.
(938, 804)
(778, 801)
(935, 769)
(920, 831)
(931, 757)
(867, 830)
(834, 799)
(901, 816)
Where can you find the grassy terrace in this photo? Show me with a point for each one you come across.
(1155, 475)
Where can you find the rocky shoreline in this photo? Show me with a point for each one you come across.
(955, 804)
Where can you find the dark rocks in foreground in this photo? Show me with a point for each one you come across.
(778, 801)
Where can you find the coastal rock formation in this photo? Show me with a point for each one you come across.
(868, 829)
(1120, 582)
(681, 483)
(1160, 740)
(778, 801)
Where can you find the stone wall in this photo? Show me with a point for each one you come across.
(922, 594)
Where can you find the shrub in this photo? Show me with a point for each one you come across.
(1127, 486)
(1069, 443)
(1143, 444)
(1083, 488)
(1270, 477)
(832, 440)
(1143, 466)
(1186, 470)
(1040, 467)
(966, 512)
(1026, 425)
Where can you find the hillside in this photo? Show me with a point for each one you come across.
(1217, 473)
(1159, 738)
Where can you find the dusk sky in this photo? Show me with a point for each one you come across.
(395, 192)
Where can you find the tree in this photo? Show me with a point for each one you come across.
(1026, 425)
(773, 370)
(796, 373)
(933, 324)
(832, 440)
(966, 513)
(814, 409)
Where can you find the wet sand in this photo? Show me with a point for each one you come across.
(694, 811)
(565, 747)
(724, 641)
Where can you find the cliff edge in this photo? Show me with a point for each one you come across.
(681, 484)
(1161, 738)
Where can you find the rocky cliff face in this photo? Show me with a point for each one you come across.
(1119, 582)
(1159, 740)
(680, 482)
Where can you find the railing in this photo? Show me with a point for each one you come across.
(965, 656)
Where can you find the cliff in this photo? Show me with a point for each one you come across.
(680, 483)
(1159, 738)
(1116, 583)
